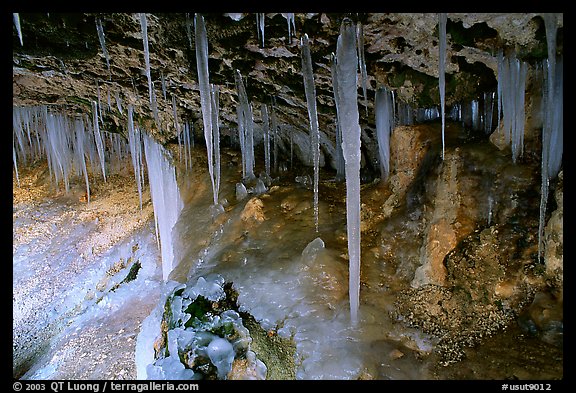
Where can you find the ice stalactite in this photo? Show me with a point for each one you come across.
(310, 91)
(108, 99)
(119, 102)
(187, 151)
(275, 136)
(58, 149)
(553, 122)
(15, 162)
(135, 144)
(189, 29)
(163, 81)
(99, 141)
(362, 62)
(102, 39)
(241, 135)
(290, 20)
(166, 199)
(260, 22)
(405, 114)
(442, 19)
(488, 111)
(245, 127)
(177, 127)
(266, 130)
(144, 27)
(79, 154)
(348, 119)
(384, 125)
(554, 104)
(99, 102)
(18, 28)
(340, 165)
(475, 107)
(215, 102)
(205, 96)
(513, 86)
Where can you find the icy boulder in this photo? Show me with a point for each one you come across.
(205, 336)
(221, 354)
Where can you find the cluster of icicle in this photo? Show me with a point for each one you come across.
(553, 120)
(210, 106)
(310, 92)
(71, 146)
(511, 91)
(76, 146)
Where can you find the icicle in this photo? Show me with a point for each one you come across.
(108, 97)
(58, 148)
(177, 127)
(362, 62)
(119, 103)
(99, 142)
(488, 111)
(275, 136)
(289, 19)
(144, 27)
(79, 149)
(135, 152)
(18, 29)
(15, 163)
(490, 207)
(247, 126)
(187, 152)
(310, 91)
(442, 19)
(554, 126)
(266, 131)
(512, 85)
(384, 126)
(99, 102)
(340, 171)
(260, 22)
(163, 85)
(241, 135)
(189, 29)
(475, 115)
(102, 39)
(205, 95)
(349, 122)
(215, 102)
(552, 130)
(166, 199)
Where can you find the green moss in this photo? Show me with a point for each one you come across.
(198, 310)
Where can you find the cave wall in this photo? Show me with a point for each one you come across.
(61, 62)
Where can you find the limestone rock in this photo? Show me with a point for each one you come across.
(253, 211)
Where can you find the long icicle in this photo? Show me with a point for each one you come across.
(205, 99)
(266, 131)
(310, 91)
(102, 39)
(18, 28)
(350, 124)
(362, 62)
(384, 125)
(99, 142)
(144, 26)
(442, 18)
(215, 102)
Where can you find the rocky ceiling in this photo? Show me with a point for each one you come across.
(61, 61)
